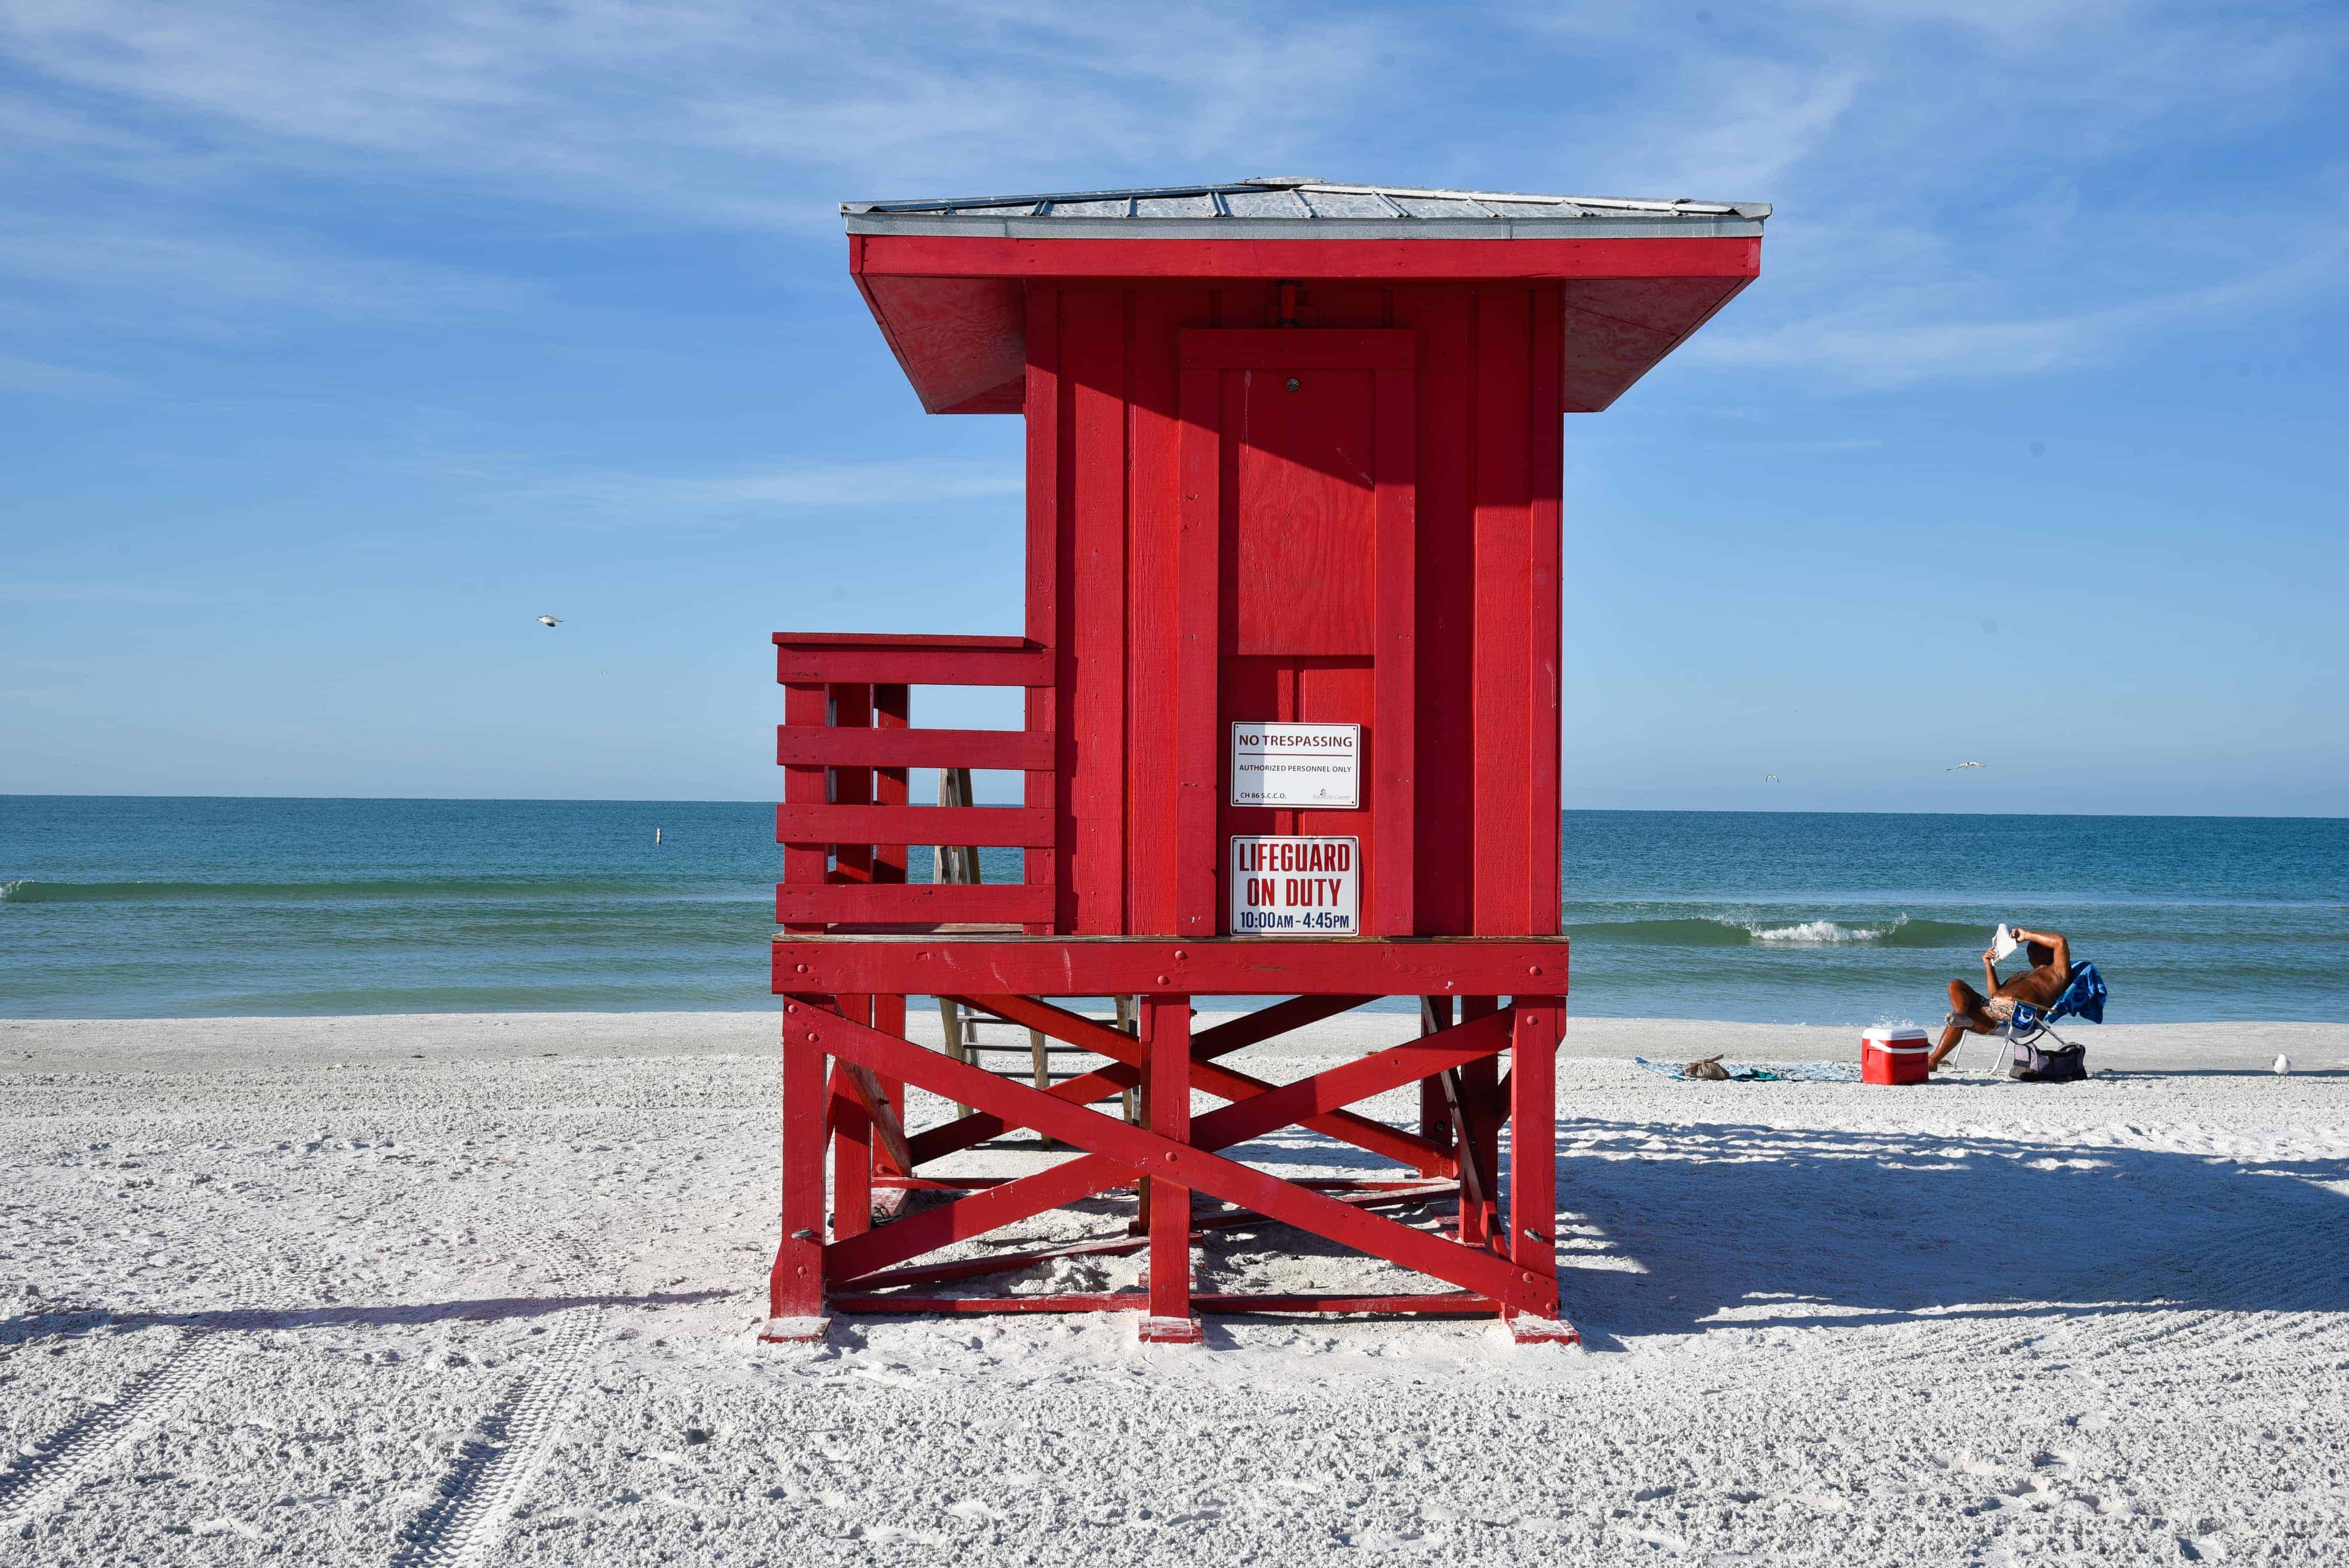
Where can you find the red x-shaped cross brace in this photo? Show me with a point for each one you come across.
(1117, 1153)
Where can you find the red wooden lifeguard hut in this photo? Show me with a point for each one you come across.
(1291, 674)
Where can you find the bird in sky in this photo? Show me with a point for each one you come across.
(1770, 779)
(550, 621)
(1961, 767)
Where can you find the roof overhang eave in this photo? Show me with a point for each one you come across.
(1678, 226)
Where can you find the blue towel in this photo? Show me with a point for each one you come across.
(2083, 997)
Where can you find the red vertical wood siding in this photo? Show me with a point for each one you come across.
(1117, 595)
(1093, 369)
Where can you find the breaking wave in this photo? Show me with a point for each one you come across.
(1746, 931)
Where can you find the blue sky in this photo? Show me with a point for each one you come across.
(337, 343)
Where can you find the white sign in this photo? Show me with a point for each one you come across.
(1296, 765)
(1301, 887)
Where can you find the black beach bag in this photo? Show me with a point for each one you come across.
(2037, 1063)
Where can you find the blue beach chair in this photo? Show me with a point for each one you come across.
(2083, 998)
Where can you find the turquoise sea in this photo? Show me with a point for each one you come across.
(142, 907)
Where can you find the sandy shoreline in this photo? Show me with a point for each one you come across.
(196, 1044)
(266, 1285)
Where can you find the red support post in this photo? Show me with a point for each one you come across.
(796, 1284)
(1478, 1080)
(1435, 1121)
(1533, 1162)
(852, 1145)
(1166, 1083)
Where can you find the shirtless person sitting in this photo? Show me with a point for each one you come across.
(1972, 1012)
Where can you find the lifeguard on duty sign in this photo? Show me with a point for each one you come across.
(1296, 765)
(1303, 886)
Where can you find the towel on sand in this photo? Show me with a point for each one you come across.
(1772, 1072)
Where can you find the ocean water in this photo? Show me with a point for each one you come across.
(137, 907)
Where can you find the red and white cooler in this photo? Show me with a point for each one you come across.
(1889, 1055)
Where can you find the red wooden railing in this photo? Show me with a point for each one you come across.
(844, 747)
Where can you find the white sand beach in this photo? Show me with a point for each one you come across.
(444, 1289)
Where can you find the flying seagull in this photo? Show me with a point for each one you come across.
(1769, 778)
(550, 621)
(1961, 767)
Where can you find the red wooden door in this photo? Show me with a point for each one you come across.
(1296, 595)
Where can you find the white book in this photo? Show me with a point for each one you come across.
(2003, 944)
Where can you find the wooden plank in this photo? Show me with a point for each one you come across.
(1012, 1201)
(851, 824)
(1166, 1104)
(1109, 966)
(892, 706)
(975, 1128)
(1156, 509)
(1533, 1141)
(1477, 1130)
(1546, 448)
(1115, 1246)
(826, 746)
(1236, 1034)
(1117, 1147)
(806, 706)
(923, 255)
(1391, 876)
(795, 1283)
(1046, 710)
(1285, 349)
(1350, 1083)
(852, 788)
(1432, 1303)
(1446, 750)
(1429, 1304)
(851, 1137)
(997, 1262)
(872, 642)
(878, 1303)
(912, 904)
(1298, 545)
(1501, 651)
(1192, 745)
(1093, 741)
(1373, 1137)
(916, 666)
(874, 1098)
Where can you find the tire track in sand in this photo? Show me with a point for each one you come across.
(502, 1457)
(84, 1446)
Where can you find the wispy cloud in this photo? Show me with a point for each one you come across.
(1865, 349)
(1947, 173)
(43, 379)
(606, 499)
(713, 110)
(99, 593)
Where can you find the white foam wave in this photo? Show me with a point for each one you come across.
(1811, 933)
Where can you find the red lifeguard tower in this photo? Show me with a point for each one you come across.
(1292, 677)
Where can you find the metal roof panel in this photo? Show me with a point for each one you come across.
(1283, 208)
(1348, 204)
(1248, 202)
(1199, 206)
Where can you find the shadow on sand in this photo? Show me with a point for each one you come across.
(1665, 1227)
